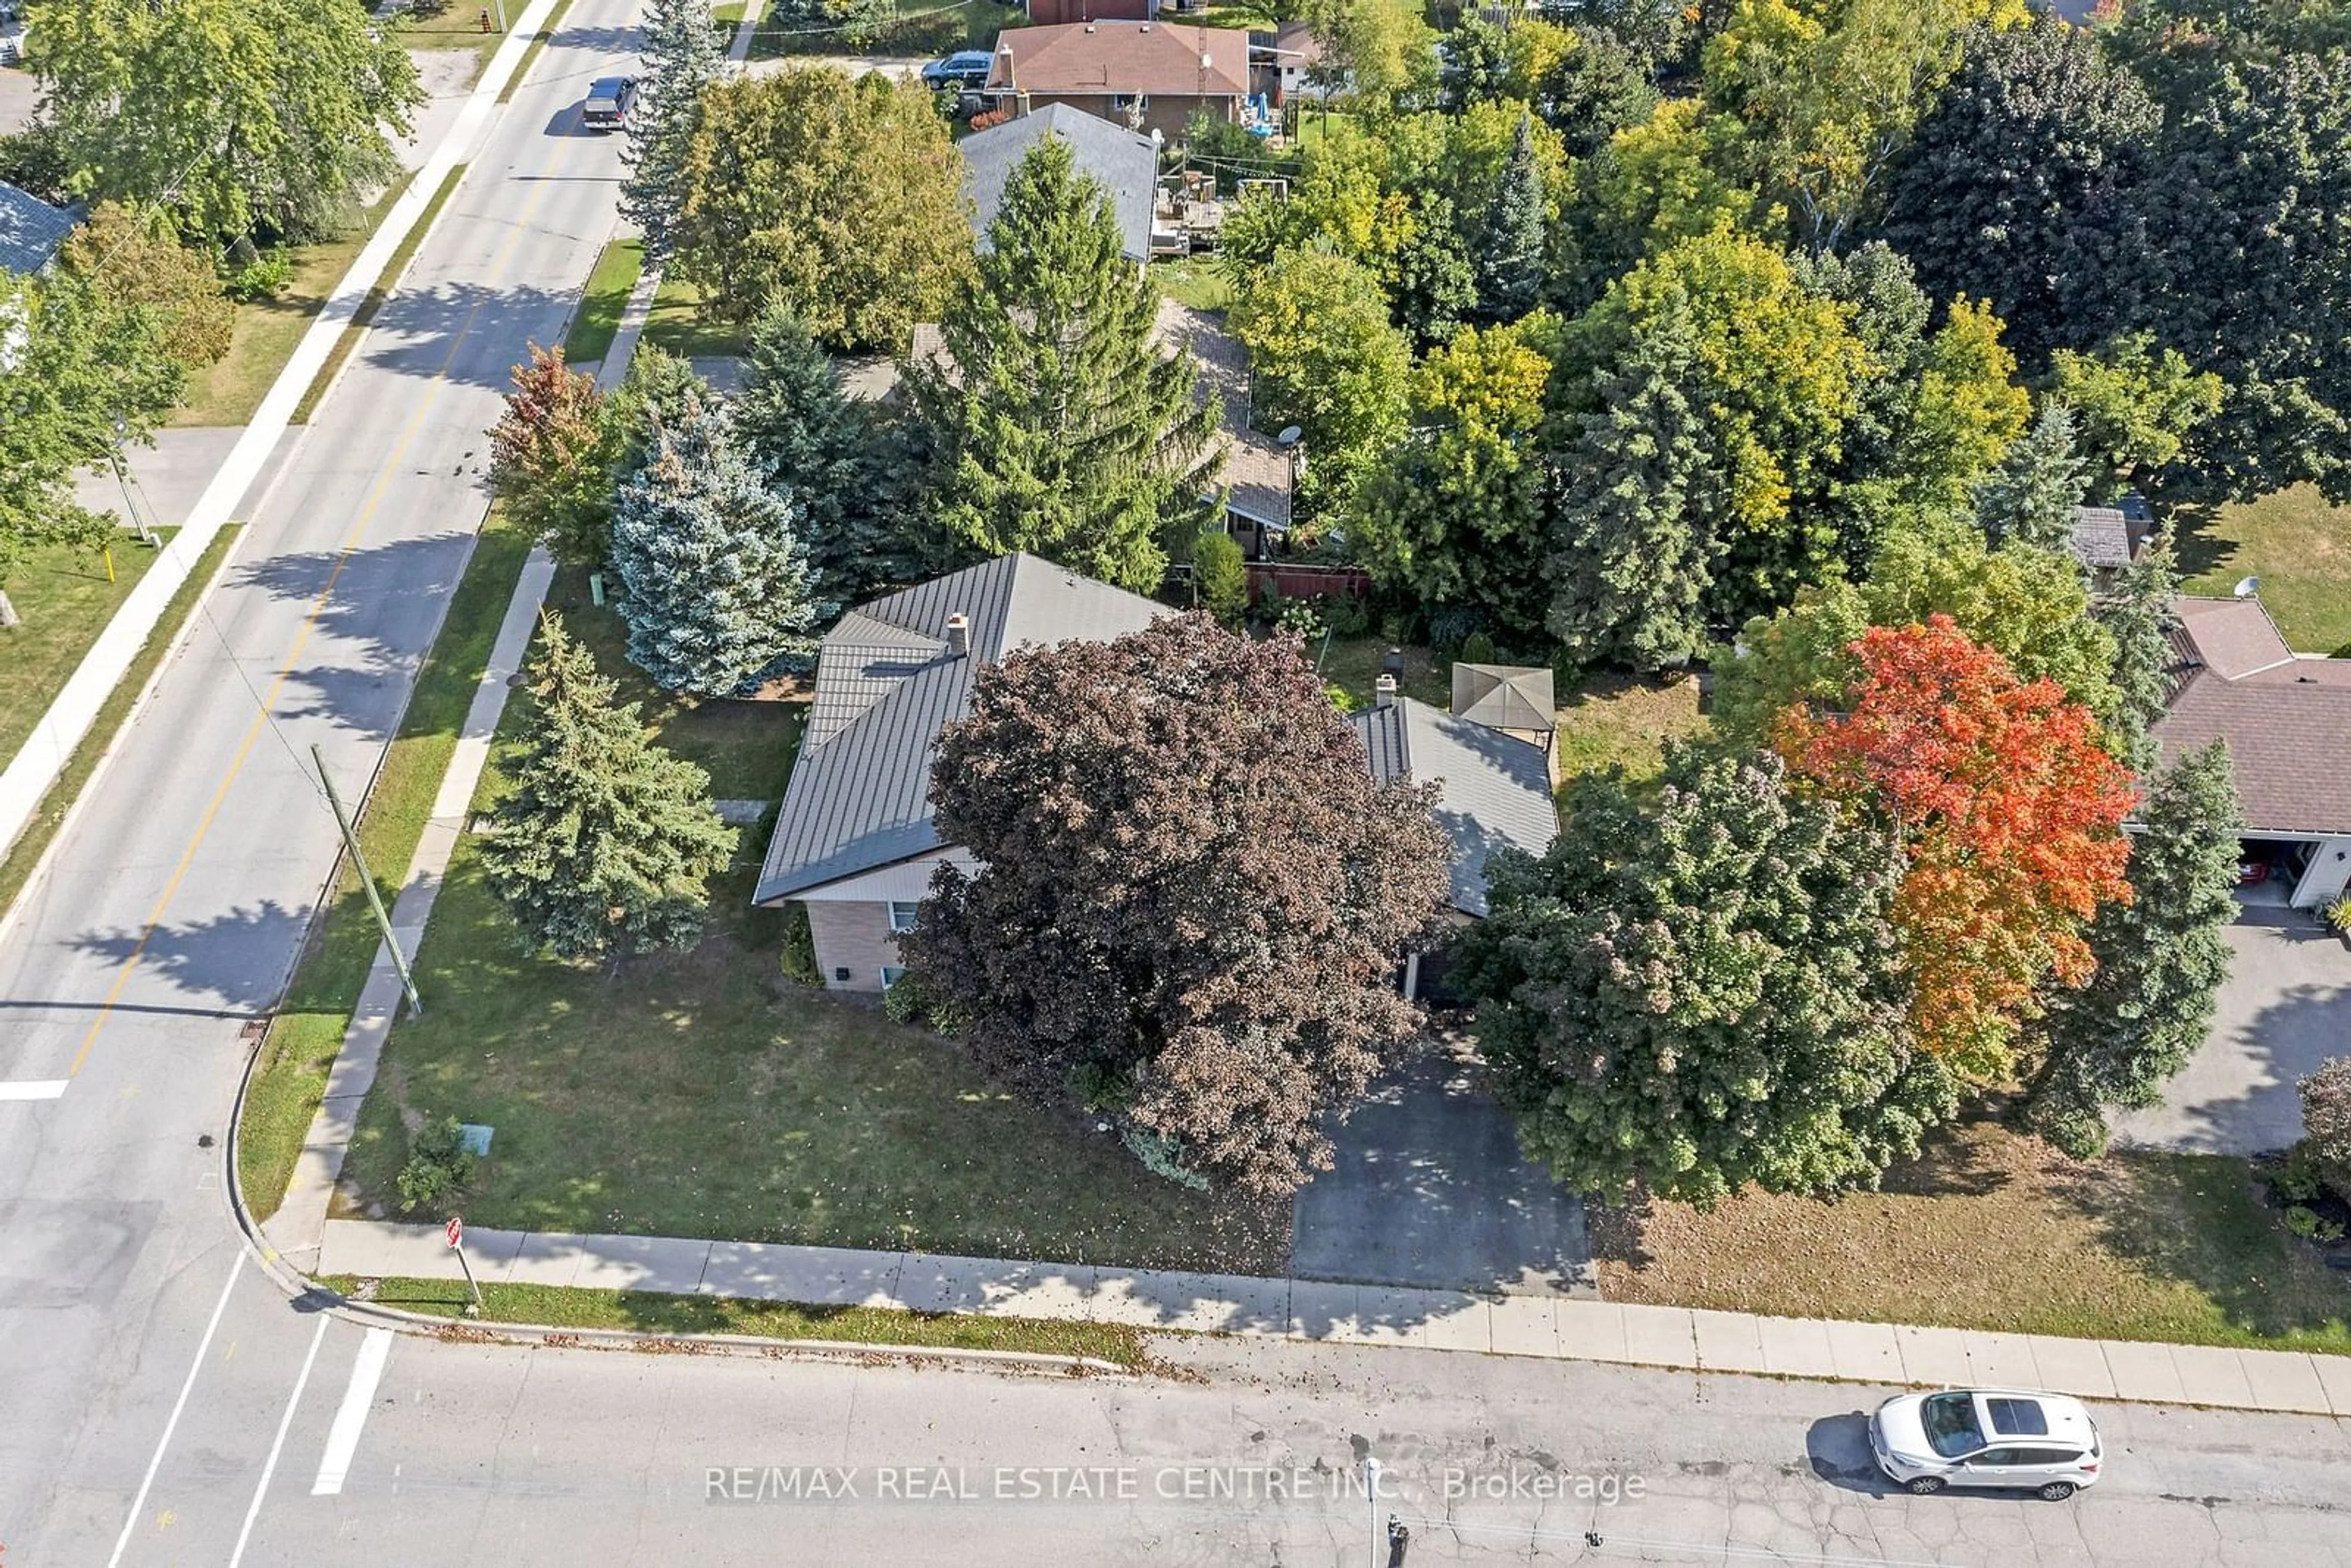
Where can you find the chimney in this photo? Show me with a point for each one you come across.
(1383, 692)
(959, 635)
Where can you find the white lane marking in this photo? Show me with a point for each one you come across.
(270, 1468)
(34, 1088)
(343, 1437)
(139, 1503)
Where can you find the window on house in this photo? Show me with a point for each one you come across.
(902, 914)
(891, 975)
(1123, 101)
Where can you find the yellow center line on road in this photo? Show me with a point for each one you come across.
(382, 488)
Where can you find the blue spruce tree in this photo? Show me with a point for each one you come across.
(717, 587)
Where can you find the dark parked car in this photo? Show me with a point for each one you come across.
(967, 67)
(610, 100)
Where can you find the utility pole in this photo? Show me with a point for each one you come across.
(375, 899)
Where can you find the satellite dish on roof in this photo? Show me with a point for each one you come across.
(2247, 586)
(1291, 436)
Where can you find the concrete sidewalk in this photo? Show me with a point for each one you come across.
(1560, 1328)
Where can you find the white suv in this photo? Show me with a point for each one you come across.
(2042, 1443)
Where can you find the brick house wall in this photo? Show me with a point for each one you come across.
(1164, 112)
(852, 935)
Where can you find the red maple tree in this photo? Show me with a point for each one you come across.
(2007, 809)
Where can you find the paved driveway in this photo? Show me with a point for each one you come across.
(1430, 1190)
(2285, 1008)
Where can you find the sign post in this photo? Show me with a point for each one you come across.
(456, 1231)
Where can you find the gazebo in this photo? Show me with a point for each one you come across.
(1514, 698)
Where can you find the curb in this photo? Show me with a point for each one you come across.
(297, 1285)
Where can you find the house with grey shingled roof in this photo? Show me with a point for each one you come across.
(1124, 163)
(1493, 792)
(855, 839)
(30, 231)
(2287, 717)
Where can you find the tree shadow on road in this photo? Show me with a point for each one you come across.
(379, 607)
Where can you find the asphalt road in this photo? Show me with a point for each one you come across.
(1251, 1456)
(172, 909)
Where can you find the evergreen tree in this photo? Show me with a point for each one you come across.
(606, 843)
(1630, 560)
(682, 57)
(2138, 613)
(654, 395)
(2032, 495)
(1062, 424)
(717, 586)
(804, 436)
(1510, 266)
(2161, 960)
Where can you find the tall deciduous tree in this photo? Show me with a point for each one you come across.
(1825, 96)
(717, 586)
(234, 114)
(843, 460)
(2028, 605)
(1371, 52)
(1189, 889)
(2255, 271)
(133, 258)
(2025, 185)
(1702, 995)
(682, 58)
(1510, 263)
(2007, 814)
(1592, 86)
(1062, 425)
(80, 374)
(2138, 408)
(1453, 515)
(843, 199)
(1323, 357)
(552, 456)
(1933, 413)
(2161, 960)
(606, 844)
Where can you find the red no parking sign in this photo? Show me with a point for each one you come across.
(455, 1230)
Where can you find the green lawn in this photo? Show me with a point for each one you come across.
(268, 330)
(700, 1095)
(650, 1313)
(678, 325)
(308, 1030)
(1623, 719)
(926, 28)
(1201, 284)
(16, 863)
(66, 602)
(1353, 665)
(457, 25)
(1990, 1231)
(618, 267)
(2299, 546)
